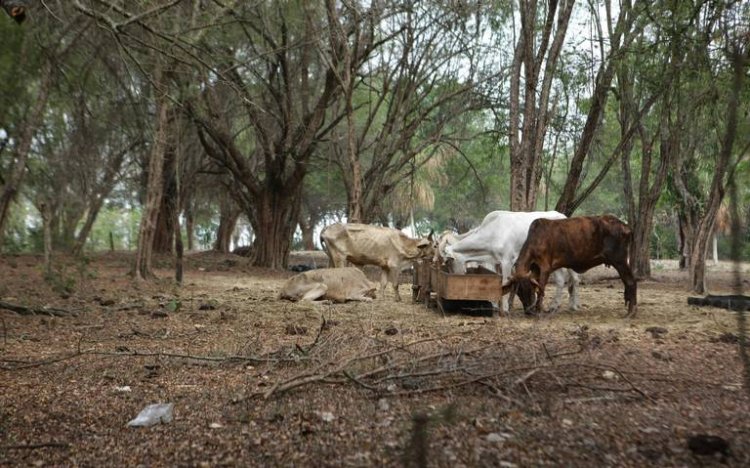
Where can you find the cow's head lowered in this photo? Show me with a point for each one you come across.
(15, 8)
(525, 287)
(426, 246)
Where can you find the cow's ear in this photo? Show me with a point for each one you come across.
(430, 236)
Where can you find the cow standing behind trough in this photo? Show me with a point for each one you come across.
(364, 244)
(577, 243)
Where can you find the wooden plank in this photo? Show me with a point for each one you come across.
(421, 280)
(473, 287)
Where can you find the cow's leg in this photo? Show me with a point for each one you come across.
(574, 280)
(543, 278)
(383, 281)
(359, 296)
(337, 259)
(316, 291)
(559, 279)
(506, 272)
(395, 274)
(631, 287)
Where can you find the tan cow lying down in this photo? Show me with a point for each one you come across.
(364, 244)
(334, 284)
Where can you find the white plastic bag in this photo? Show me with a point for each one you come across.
(153, 414)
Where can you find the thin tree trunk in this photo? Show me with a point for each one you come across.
(190, 228)
(715, 249)
(142, 267)
(707, 223)
(567, 203)
(83, 234)
(228, 216)
(178, 246)
(46, 212)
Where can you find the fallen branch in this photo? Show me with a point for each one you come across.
(20, 365)
(24, 310)
(623, 377)
(35, 446)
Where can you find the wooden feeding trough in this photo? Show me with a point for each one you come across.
(435, 286)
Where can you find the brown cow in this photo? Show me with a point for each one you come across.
(364, 244)
(15, 8)
(334, 284)
(577, 243)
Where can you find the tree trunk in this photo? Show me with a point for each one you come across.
(526, 152)
(706, 226)
(274, 222)
(178, 246)
(83, 234)
(18, 168)
(686, 240)
(46, 212)
(228, 216)
(100, 193)
(715, 249)
(165, 225)
(567, 203)
(142, 267)
(189, 226)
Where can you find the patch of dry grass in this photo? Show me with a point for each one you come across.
(584, 388)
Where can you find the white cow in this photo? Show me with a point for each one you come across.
(498, 241)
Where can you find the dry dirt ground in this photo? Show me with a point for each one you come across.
(260, 382)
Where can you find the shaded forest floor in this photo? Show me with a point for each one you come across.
(260, 382)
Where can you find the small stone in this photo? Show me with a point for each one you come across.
(494, 437)
(215, 425)
(327, 416)
(383, 405)
(390, 331)
(123, 389)
(656, 332)
(567, 422)
(661, 356)
(609, 375)
(207, 306)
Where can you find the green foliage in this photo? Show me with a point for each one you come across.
(122, 222)
(174, 305)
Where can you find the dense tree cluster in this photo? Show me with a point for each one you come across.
(140, 125)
